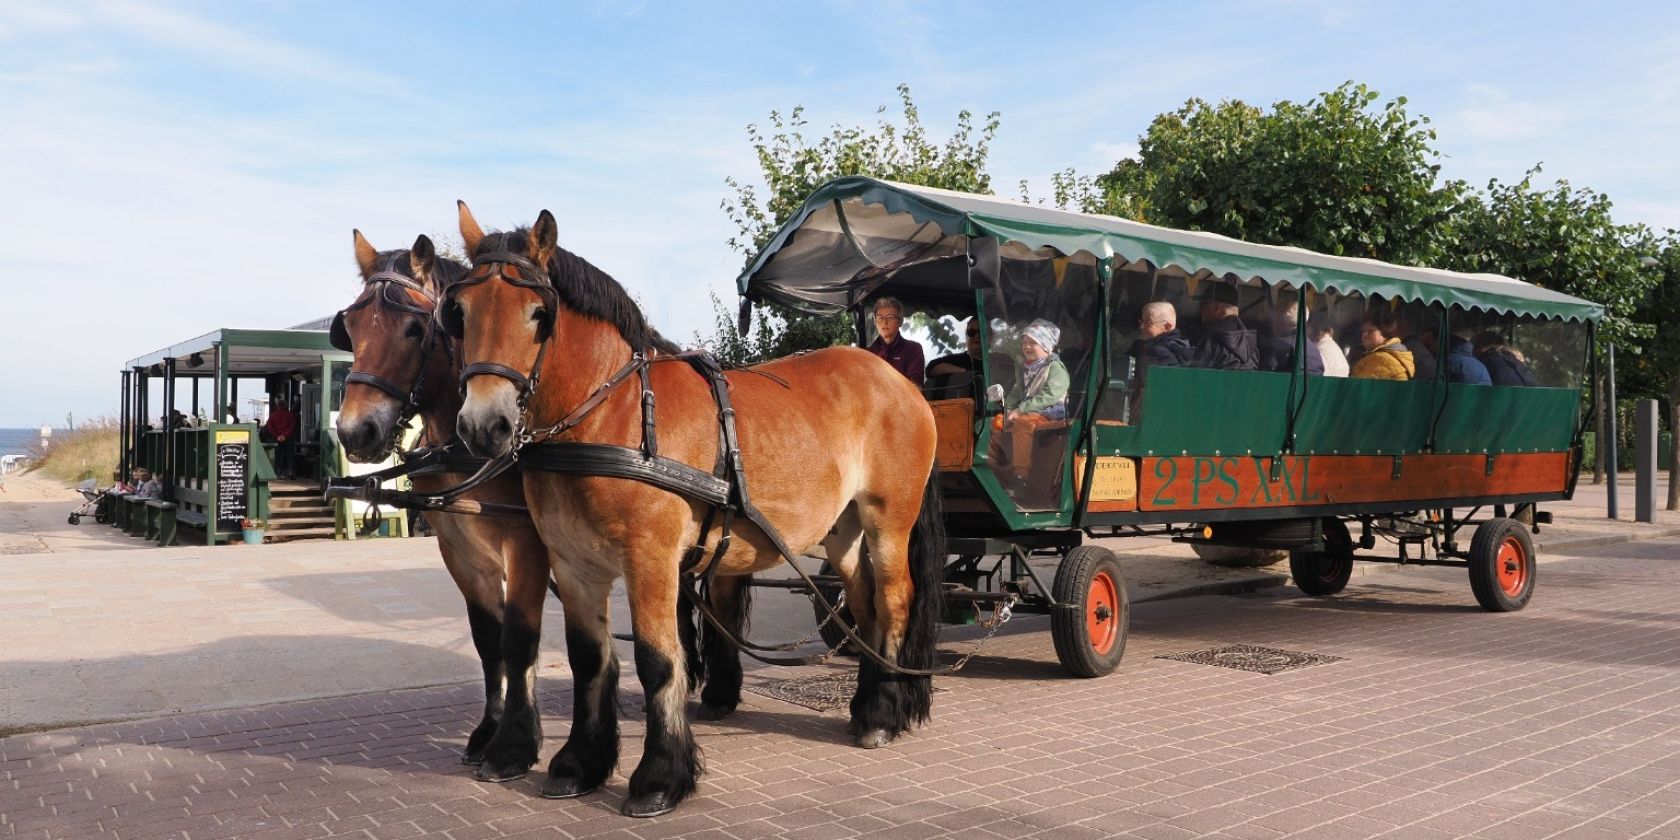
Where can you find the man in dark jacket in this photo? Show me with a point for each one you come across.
(1160, 342)
(1505, 366)
(1225, 343)
(1462, 365)
(1277, 351)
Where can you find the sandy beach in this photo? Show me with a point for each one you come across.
(34, 510)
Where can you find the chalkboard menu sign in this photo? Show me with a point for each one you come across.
(233, 469)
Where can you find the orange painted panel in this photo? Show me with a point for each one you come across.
(954, 420)
(1212, 482)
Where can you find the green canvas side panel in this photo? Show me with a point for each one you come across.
(1485, 418)
(1364, 416)
(1206, 412)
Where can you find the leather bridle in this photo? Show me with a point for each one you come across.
(386, 290)
(495, 265)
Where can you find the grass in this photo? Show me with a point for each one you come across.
(91, 450)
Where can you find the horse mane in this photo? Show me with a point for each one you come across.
(589, 291)
(445, 271)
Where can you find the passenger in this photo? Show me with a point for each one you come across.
(1225, 344)
(1385, 357)
(967, 361)
(1038, 397)
(1505, 366)
(905, 355)
(1277, 351)
(1462, 365)
(1041, 382)
(1413, 327)
(1321, 331)
(1160, 342)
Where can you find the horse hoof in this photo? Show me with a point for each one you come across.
(472, 759)
(557, 787)
(649, 805)
(873, 738)
(488, 773)
(711, 712)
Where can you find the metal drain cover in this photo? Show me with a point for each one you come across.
(823, 692)
(1260, 660)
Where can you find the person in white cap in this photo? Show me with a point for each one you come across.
(1039, 396)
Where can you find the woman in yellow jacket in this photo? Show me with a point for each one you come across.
(1385, 357)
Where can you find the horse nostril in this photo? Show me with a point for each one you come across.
(503, 427)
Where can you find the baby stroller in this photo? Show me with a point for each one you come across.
(94, 501)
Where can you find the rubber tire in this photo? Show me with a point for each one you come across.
(833, 636)
(1320, 573)
(102, 517)
(1493, 538)
(1268, 533)
(75, 519)
(1084, 567)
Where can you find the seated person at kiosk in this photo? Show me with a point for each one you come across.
(1385, 357)
(1038, 397)
(1462, 365)
(1321, 331)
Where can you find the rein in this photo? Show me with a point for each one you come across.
(723, 490)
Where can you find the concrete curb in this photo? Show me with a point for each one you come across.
(1607, 539)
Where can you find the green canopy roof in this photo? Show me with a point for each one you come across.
(853, 233)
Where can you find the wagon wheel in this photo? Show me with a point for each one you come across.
(75, 519)
(832, 635)
(1093, 611)
(1325, 572)
(1502, 565)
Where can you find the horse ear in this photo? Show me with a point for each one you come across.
(471, 233)
(422, 257)
(545, 236)
(367, 259)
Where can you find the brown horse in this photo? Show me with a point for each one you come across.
(837, 447)
(405, 365)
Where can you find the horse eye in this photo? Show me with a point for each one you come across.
(540, 314)
(415, 331)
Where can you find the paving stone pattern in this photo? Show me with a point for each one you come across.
(1440, 721)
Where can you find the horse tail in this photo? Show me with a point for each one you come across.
(927, 573)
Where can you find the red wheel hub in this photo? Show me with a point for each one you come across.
(1513, 566)
(1102, 612)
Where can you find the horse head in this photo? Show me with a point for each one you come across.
(525, 294)
(403, 363)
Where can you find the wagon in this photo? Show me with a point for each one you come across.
(1324, 467)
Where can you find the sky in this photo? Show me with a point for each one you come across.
(167, 169)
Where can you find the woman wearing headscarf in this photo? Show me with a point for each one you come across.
(1039, 396)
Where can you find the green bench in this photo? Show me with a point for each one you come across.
(160, 521)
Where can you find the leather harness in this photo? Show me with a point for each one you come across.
(723, 490)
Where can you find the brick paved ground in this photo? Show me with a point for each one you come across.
(1440, 721)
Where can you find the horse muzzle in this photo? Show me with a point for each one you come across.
(366, 436)
(487, 422)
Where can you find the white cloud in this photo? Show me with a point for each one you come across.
(1493, 116)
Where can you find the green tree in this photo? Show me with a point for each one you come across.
(793, 166)
(1564, 239)
(1337, 174)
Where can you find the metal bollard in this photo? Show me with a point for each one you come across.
(1645, 461)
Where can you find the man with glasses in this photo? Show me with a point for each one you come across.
(903, 354)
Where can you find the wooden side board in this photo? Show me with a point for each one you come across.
(1212, 482)
(954, 420)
